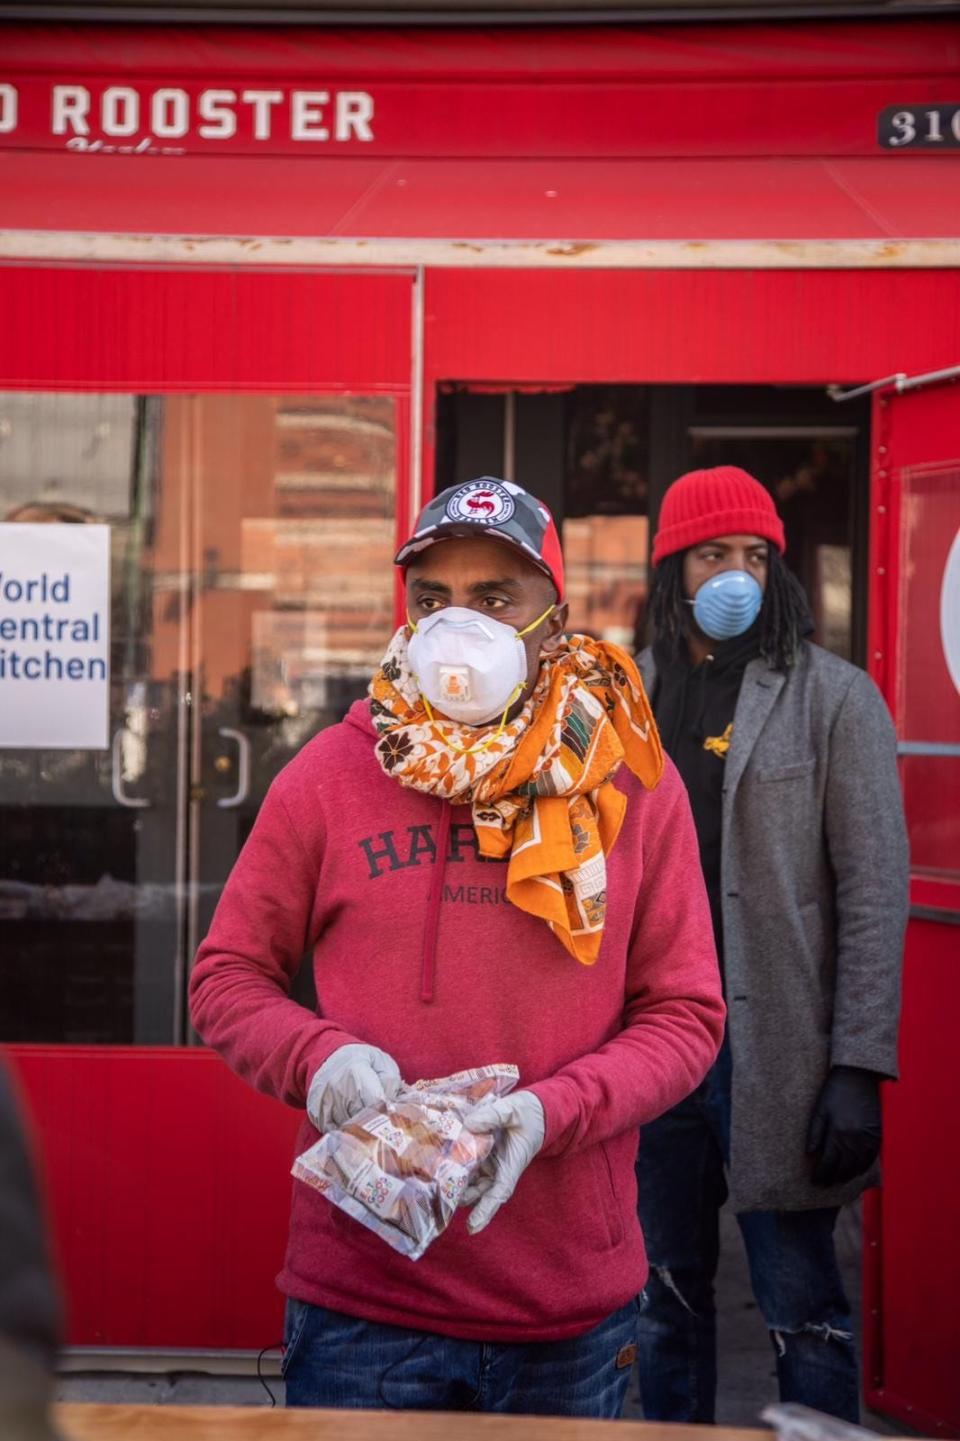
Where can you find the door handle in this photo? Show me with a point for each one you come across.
(133, 803)
(243, 776)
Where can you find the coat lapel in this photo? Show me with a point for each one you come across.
(756, 700)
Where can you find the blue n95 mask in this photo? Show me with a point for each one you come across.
(727, 604)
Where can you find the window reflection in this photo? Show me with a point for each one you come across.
(928, 703)
(70, 854)
(606, 532)
(252, 596)
(606, 571)
(607, 430)
(296, 595)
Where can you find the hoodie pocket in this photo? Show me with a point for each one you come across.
(609, 1204)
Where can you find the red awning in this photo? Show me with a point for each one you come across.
(891, 198)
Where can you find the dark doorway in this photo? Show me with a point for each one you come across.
(601, 456)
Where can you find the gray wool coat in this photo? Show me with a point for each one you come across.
(814, 876)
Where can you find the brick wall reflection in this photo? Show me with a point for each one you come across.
(606, 560)
(283, 508)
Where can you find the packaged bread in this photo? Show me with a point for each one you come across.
(401, 1166)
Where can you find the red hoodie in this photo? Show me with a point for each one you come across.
(417, 950)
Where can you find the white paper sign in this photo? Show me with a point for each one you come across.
(950, 611)
(55, 636)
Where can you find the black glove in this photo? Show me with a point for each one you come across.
(845, 1127)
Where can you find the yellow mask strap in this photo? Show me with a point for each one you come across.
(487, 740)
(534, 623)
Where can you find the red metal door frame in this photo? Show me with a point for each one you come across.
(911, 1260)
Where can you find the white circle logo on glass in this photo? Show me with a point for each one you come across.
(950, 611)
(483, 502)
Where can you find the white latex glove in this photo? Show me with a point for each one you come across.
(353, 1077)
(519, 1119)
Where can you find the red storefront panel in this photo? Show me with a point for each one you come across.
(639, 201)
(181, 330)
(913, 1263)
(169, 1186)
(578, 92)
(910, 1369)
(772, 326)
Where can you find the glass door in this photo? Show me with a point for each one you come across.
(294, 535)
(91, 839)
(928, 675)
(251, 595)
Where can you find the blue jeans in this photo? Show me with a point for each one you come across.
(793, 1271)
(336, 1360)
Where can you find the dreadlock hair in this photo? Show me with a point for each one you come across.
(784, 616)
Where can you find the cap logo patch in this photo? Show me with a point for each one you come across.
(483, 502)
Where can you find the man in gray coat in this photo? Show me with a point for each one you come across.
(789, 757)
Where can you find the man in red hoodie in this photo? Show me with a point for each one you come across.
(490, 861)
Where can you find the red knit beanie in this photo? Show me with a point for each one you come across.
(704, 504)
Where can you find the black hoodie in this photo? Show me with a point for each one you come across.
(694, 705)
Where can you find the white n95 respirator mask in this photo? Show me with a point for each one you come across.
(470, 666)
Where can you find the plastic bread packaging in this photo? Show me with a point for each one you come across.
(401, 1166)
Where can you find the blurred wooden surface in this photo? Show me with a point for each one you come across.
(92, 1422)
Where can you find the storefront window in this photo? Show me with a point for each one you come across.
(88, 900)
(295, 499)
(606, 568)
(606, 533)
(928, 673)
(251, 539)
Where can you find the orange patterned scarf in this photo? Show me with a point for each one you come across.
(541, 786)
